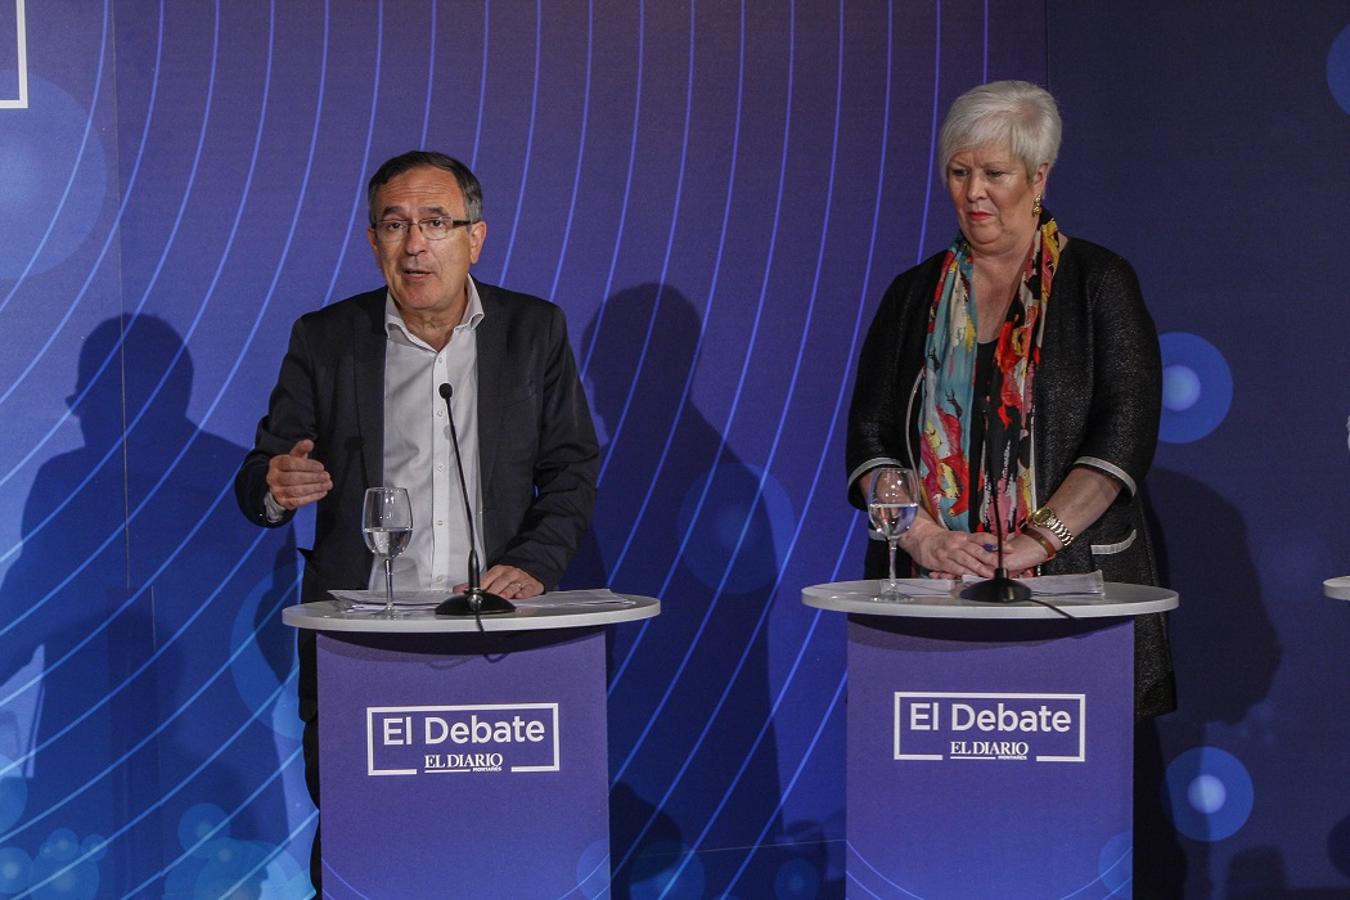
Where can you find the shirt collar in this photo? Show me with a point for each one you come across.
(394, 324)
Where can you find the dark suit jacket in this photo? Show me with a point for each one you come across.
(537, 451)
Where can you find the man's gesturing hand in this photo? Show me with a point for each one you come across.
(294, 479)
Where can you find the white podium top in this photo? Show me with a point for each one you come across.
(1119, 600)
(1337, 588)
(560, 609)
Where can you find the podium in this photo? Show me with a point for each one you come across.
(461, 762)
(989, 747)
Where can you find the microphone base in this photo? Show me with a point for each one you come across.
(999, 589)
(475, 602)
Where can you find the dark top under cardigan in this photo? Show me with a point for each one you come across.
(1098, 397)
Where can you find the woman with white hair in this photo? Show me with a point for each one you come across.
(1018, 373)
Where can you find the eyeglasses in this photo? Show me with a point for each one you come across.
(391, 231)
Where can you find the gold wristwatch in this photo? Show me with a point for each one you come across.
(1045, 518)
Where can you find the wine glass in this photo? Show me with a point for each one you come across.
(892, 504)
(386, 523)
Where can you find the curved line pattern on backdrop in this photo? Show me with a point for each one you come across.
(618, 238)
(643, 355)
(815, 482)
(225, 488)
(783, 419)
(141, 412)
(584, 119)
(707, 485)
(735, 152)
(431, 78)
(359, 195)
(103, 251)
(74, 171)
(529, 145)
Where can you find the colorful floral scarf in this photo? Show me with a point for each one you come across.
(949, 467)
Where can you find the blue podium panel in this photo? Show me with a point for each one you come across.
(464, 765)
(989, 758)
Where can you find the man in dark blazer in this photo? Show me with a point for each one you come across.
(325, 425)
(323, 439)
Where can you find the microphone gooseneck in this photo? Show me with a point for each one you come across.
(1000, 588)
(474, 601)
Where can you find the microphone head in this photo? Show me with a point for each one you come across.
(446, 390)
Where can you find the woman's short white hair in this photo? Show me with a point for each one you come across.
(1015, 114)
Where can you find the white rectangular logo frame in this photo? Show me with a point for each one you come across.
(372, 711)
(21, 60)
(949, 695)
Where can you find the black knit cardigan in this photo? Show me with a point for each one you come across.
(1097, 403)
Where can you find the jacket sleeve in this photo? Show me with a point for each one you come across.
(877, 415)
(290, 417)
(565, 468)
(1122, 427)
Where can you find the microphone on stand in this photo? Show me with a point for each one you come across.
(1000, 588)
(474, 601)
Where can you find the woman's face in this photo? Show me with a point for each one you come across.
(993, 196)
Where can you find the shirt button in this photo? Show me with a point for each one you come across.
(440, 522)
(440, 577)
(440, 467)
(440, 413)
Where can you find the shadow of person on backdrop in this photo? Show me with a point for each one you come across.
(1224, 645)
(146, 623)
(680, 517)
(1260, 873)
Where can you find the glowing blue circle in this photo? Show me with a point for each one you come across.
(738, 519)
(75, 882)
(39, 149)
(95, 846)
(1210, 793)
(1206, 794)
(13, 793)
(1197, 388)
(654, 876)
(593, 869)
(1338, 68)
(62, 846)
(233, 868)
(1181, 388)
(796, 878)
(181, 880)
(1115, 862)
(15, 869)
(285, 878)
(197, 823)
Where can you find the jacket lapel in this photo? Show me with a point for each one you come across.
(369, 343)
(491, 340)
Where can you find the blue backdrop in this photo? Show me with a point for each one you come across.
(716, 193)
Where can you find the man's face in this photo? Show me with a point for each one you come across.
(428, 279)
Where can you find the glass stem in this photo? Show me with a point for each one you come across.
(890, 555)
(389, 585)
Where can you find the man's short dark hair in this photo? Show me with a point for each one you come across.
(416, 159)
